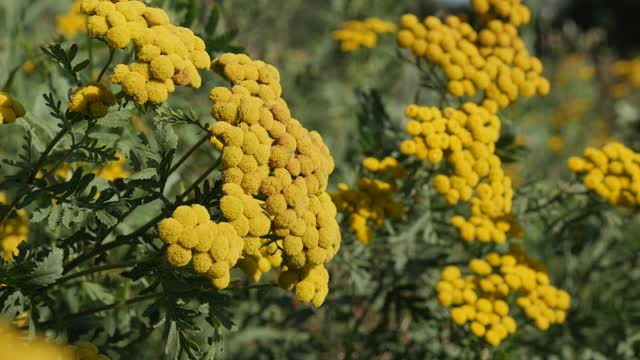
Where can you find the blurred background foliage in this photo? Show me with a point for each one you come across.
(382, 300)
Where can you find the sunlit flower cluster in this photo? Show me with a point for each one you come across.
(213, 248)
(73, 22)
(355, 34)
(93, 99)
(13, 231)
(613, 172)
(512, 10)
(10, 108)
(372, 200)
(466, 139)
(481, 298)
(166, 55)
(269, 155)
(493, 59)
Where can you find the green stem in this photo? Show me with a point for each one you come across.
(112, 51)
(124, 239)
(188, 153)
(115, 305)
(33, 174)
(200, 179)
(96, 270)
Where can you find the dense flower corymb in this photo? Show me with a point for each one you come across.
(481, 299)
(466, 139)
(493, 60)
(613, 172)
(166, 55)
(213, 248)
(269, 155)
(355, 34)
(373, 199)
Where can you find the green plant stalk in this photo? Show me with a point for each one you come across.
(106, 66)
(125, 239)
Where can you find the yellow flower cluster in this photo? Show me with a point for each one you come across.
(191, 235)
(113, 170)
(613, 172)
(373, 199)
(513, 10)
(10, 108)
(13, 231)
(93, 99)
(494, 59)
(73, 22)
(272, 156)
(481, 298)
(466, 138)
(355, 34)
(166, 55)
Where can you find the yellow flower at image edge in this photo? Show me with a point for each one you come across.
(612, 172)
(16, 345)
(13, 232)
(10, 109)
(93, 99)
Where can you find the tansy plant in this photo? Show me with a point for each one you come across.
(171, 195)
(107, 193)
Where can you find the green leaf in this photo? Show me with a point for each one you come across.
(40, 214)
(106, 218)
(97, 292)
(54, 217)
(172, 338)
(48, 270)
(141, 175)
(212, 22)
(166, 137)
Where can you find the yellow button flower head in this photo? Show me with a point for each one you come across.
(166, 55)
(267, 153)
(373, 198)
(482, 298)
(355, 34)
(113, 170)
(466, 139)
(213, 248)
(15, 345)
(611, 172)
(93, 99)
(73, 22)
(13, 232)
(10, 109)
